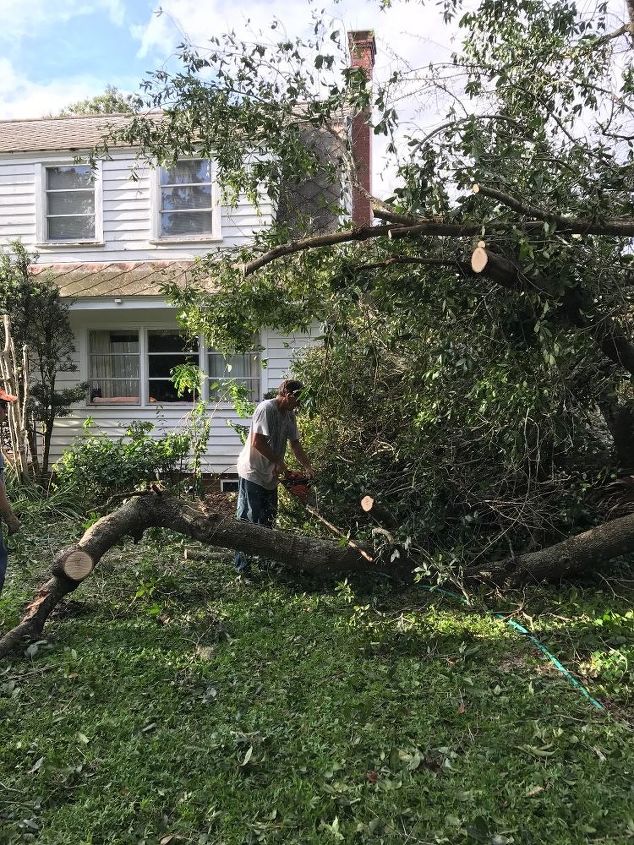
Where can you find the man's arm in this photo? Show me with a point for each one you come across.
(261, 443)
(302, 457)
(13, 523)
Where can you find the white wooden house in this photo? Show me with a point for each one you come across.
(110, 238)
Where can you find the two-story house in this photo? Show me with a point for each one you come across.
(110, 236)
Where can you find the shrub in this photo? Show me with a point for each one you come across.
(101, 468)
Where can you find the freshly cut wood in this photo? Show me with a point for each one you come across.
(494, 266)
(378, 512)
(505, 273)
(78, 565)
(367, 503)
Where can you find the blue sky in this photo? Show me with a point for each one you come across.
(53, 52)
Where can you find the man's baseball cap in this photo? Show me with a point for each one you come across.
(7, 397)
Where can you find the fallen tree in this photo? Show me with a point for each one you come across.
(71, 566)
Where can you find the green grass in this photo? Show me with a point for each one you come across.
(170, 701)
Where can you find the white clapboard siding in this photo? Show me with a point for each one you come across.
(224, 444)
(280, 350)
(127, 212)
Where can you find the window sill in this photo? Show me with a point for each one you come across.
(196, 239)
(60, 244)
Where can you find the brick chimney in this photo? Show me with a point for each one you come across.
(362, 51)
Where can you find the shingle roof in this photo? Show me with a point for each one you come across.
(116, 279)
(57, 133)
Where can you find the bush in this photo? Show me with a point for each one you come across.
(101, 468)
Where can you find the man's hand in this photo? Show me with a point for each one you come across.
(13, 523)
(279, 469)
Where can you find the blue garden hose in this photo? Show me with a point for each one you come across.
(526, 633)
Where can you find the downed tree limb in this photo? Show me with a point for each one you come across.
(72, 565)
(580, 553)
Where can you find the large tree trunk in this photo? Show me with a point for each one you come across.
(72, 565)
(583, 552)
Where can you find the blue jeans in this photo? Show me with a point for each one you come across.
(258, 505)
(3, 560)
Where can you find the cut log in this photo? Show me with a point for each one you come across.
(77, 565)
(505, 273)
(379, 512)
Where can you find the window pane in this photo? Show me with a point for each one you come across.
(170, 341)
(77, 176)
(191, 196)
(114, 391)
(164, 391)
(243, 368)
(186, 172)
(71, 202)
(160, 366)
(232, 366)
(186, 223)
(114, 366)
(102, 341)
(71, 228)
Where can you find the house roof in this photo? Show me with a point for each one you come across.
(58, 133)
(116, 279)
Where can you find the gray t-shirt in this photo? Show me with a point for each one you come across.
(279, 427)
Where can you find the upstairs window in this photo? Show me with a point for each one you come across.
(186, 200)
(69, 203)
(113, 369)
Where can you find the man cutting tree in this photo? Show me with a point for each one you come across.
(261, 461)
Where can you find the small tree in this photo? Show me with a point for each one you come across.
(39, 321)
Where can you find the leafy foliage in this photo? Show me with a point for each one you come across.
(102, 468)
(481, 408)
(39, 321)
(112, 101)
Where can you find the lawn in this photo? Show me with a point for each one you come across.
(170, 704)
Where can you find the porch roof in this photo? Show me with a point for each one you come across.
(116, 278)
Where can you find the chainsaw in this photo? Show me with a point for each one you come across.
(298, 485)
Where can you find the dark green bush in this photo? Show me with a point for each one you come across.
(102, 468)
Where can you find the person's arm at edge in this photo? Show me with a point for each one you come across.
(13, 523)
(302, 457)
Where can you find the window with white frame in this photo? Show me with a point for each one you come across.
(135, 366)
(114, 359)
(186, 200)
(166, 349)
(69, 203)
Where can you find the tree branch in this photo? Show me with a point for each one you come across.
(622, 227)
(71, 566)
(451, 263)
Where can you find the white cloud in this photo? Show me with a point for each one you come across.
(21, 98)
(21, 18)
